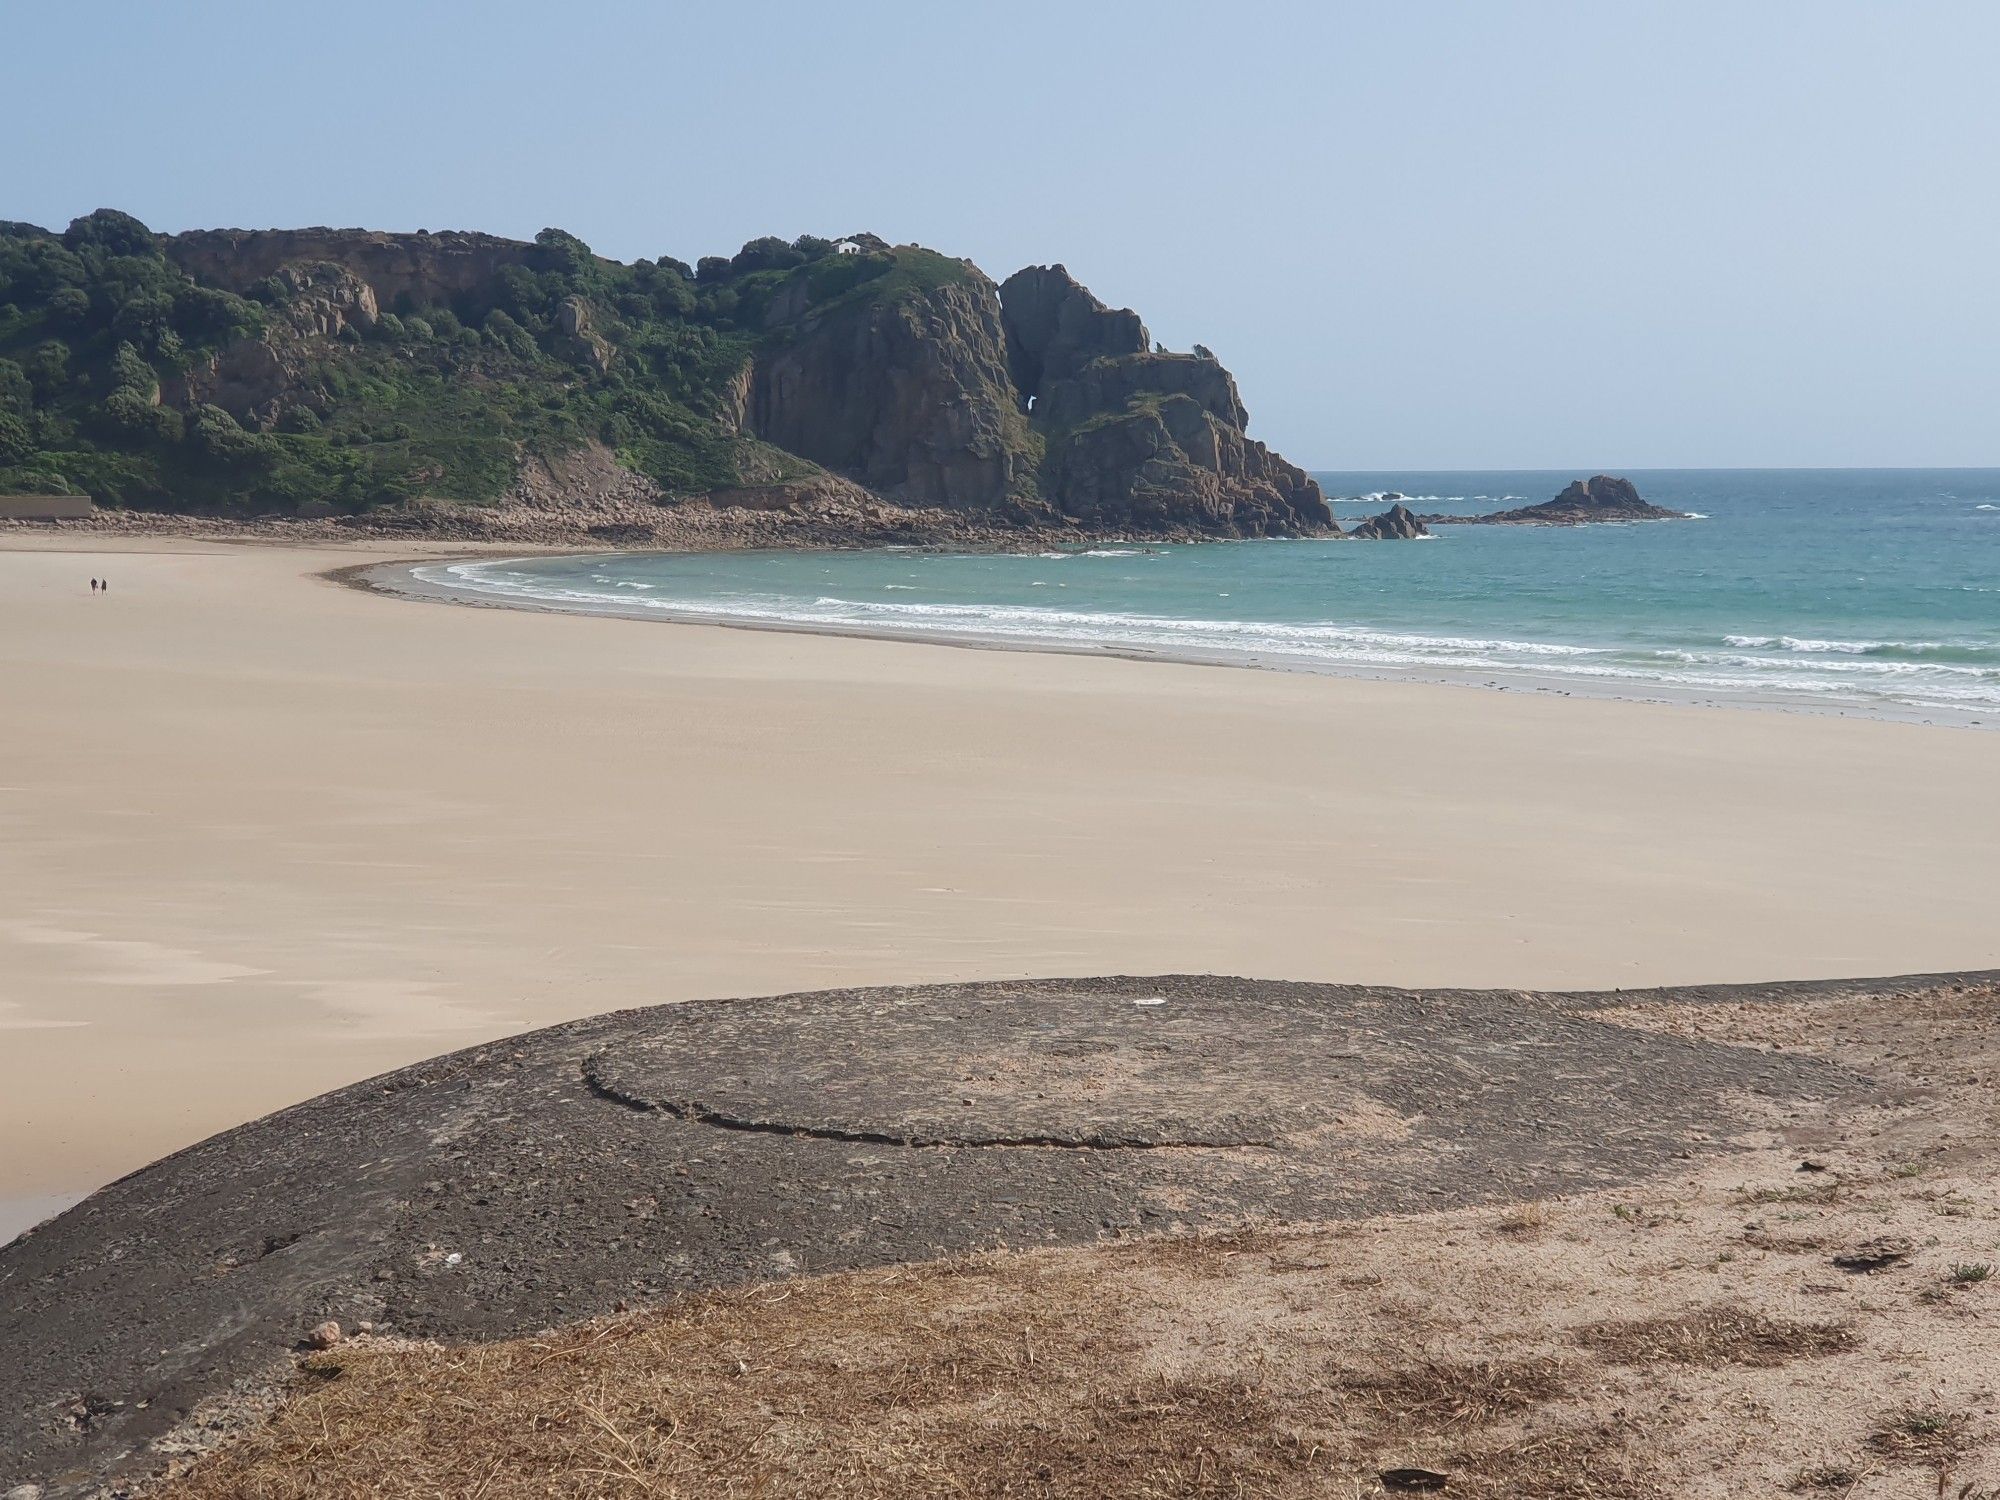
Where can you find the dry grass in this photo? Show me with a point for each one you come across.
(1927, 1432)
(1005, 1376)
(1718, 1335)
(1529, 1217)
(1442, 1394)
(1825, 1476)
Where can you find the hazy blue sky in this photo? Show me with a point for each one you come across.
(1577, 233)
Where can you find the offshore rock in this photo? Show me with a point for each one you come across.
(1585, 502)
(1397, 523)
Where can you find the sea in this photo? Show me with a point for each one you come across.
(1870, 592)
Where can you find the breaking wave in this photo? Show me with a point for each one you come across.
(1920, 675)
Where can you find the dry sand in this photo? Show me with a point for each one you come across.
(264, 835)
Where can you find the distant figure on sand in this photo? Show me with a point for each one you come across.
(93, 585)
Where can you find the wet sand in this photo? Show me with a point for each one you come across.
(265, 835)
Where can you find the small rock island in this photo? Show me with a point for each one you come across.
(1396, 524)
(1586, 502)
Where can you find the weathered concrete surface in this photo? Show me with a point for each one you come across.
(634, 1156)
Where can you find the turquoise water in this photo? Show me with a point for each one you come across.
(1860, 591)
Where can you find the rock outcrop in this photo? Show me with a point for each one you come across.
(252, 380)
(1398, 524)
(1055, 327)
(908, 395)
(1137, 438)
(1585, 502)
(941, 396)
(586, 343)
(327, 299)
(403, 269)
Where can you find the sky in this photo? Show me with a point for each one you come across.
(1422, 233)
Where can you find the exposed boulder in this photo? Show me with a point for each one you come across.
(1397, 523)
(1585, 502)
(252, 380)
(324, 299)
(573, 323)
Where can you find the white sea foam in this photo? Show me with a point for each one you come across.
(1907, 675)
(1810, 647)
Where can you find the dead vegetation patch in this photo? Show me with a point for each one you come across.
(1833, 1475)
(1720, 1335)
(1447, 1394)
(947, 1380)
(1924, 1432)
(1003, 1376)
(1527, 1218)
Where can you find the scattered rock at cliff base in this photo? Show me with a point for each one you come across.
(1397, 523)
(1585, 502)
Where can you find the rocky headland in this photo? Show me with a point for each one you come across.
(1586, 502)
(464, 384)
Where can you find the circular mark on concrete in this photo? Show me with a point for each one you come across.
(1085, 1069)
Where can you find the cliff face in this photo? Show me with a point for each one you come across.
(907, 395)
(407, 269)
(1153, 439)
(1055, 327)
(944, 394)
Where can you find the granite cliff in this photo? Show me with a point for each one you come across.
(361, 374)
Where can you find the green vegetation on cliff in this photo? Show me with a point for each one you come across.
(327, 372)
(123, 376)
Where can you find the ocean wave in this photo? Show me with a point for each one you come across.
(1807, 646)
(1986, 507)
(1857, 674)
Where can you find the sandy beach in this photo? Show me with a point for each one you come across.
(265, 834)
